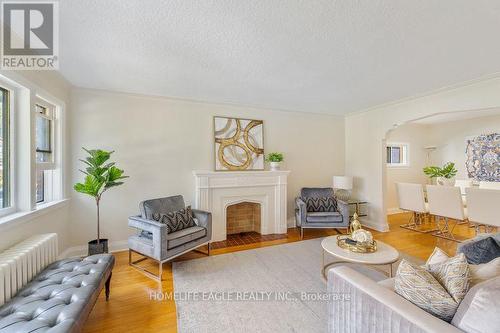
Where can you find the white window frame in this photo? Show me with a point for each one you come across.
(23, 96)
(405, 147)
(12, 153)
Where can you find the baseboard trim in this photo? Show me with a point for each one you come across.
(375, 226)
(81, 250)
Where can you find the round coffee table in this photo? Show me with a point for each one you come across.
(385, 255)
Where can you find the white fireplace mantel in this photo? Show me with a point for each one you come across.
(215, 191)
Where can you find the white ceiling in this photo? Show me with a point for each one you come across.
(456, 116)
(332, 56)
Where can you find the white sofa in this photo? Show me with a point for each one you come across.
(375, 308)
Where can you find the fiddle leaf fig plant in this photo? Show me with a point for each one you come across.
(448, 171)
(274, 157)
(100, 176)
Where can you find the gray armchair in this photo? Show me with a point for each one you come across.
(305, 219)
(154, 242)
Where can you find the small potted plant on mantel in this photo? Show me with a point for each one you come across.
(275, 160)
(100, 176)
(444, 176)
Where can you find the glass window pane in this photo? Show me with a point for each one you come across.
(1, 151)
(388, 154)
(43, 157)
(40, 184)
(4, 149)
(396, 155)
(43, 134)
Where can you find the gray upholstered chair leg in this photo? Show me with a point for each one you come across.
(143, 270)
(208, 250)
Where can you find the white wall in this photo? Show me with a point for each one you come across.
(450, 139)
(159, 141)
(48, 83)
(417, 136)
(53, 220)
(366, 131)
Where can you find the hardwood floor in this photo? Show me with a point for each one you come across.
(130, 308)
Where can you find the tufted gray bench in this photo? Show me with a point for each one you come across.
(60, 298)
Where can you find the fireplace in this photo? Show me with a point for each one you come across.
(217, 192)
(243, 217)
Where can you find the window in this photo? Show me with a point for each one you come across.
(5, 172)
(45, 153)
(43, 133)
(40, 186)
(31, 150)
(397, 154)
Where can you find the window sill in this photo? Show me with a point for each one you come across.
(398, 166)
(42, 209)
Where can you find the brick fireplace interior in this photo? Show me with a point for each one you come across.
(243, 222)
(242, 218)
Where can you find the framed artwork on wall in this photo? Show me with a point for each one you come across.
(239, 144)
(483, 157)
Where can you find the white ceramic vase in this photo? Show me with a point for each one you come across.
(275, 166)
(445, 181)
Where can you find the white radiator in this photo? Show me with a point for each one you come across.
(20, 263)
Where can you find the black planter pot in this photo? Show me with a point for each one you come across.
(95, 248)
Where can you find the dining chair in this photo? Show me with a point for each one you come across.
(412, 199)
(489, 185)
(445, 203)
(463, 184)
(484, 208)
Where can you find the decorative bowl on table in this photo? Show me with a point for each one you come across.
(358, 242)
(362, 236)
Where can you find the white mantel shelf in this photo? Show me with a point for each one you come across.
(216, 190)
(220, 179)
(238, 173)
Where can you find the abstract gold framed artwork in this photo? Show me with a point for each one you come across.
(239, 144)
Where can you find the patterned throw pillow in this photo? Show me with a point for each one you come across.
(437, 256)
(454, 276)
(418, 286)
(482, 251)
(177, 220)
(478, 273)
(316, 205)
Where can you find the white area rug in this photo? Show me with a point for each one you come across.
(251, 284)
